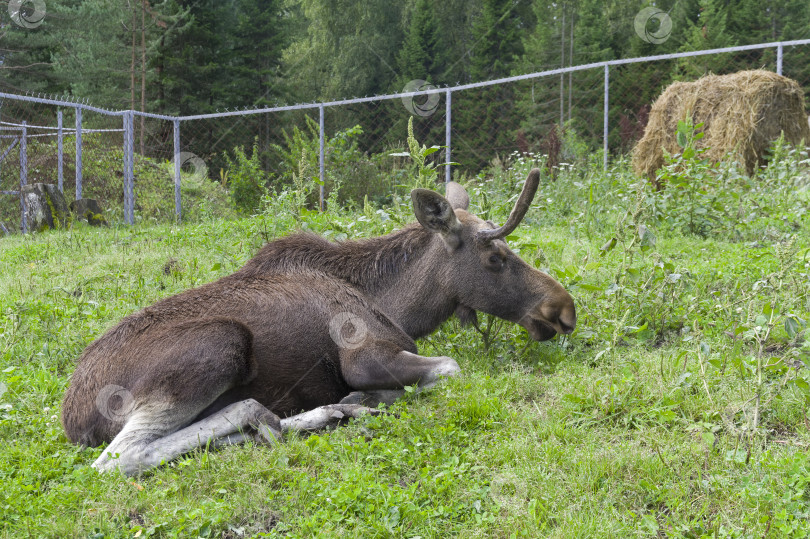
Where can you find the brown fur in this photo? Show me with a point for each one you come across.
(361, 263)
(264, 335)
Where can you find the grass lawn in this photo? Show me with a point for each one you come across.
(677, 408)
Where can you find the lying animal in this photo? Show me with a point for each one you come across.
(306, 324)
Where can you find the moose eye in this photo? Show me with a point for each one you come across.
(495, 261)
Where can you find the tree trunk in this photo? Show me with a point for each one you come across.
(570, 63)
(143, 68)
(562, 64)
(132, 63)
(159, 73)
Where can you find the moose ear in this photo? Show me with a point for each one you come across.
(457, 196)
(436, 214)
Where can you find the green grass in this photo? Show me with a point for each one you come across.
(644, 423)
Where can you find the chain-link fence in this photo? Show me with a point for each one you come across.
(159, 167)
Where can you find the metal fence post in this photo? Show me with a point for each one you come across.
(779, 51)
(322, 158)
(177, 165)
(447, 138)
(125, 152)
(129, 199)
(23, 176)
(60, 155)
(605, 117)
(78, 153)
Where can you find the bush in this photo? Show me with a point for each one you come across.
(704, 199)
(351, 173)
(246, 179)
(103, 180)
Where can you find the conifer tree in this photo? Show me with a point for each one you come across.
(486, 117)
(417, 57)
(417, 61)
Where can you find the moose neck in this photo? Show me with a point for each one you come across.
(417, 297)
(402, 272)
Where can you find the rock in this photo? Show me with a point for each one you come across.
(47, 207)
(88, 209)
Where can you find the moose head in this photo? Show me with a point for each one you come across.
(486, 275)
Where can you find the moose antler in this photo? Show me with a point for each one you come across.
(518, 212)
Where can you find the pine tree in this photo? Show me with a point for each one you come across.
(25, 56)
(486, 119)
(455, 19)
(497, 38)
(348, 49)
(791, 20)
(194, 62)
(229, 57)
(418, 60)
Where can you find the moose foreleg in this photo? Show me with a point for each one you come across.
(381, 366)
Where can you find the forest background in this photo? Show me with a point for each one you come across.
(179, 57)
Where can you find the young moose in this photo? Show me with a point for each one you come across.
(306, 325)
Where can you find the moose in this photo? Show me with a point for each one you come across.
(306, 333)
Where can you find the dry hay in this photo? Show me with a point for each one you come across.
(742, 114)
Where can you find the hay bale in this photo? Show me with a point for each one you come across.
(742, 114)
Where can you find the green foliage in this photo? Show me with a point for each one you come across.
(206, 56)
(102, 179)
(426, 170)
(247, 181)
(683, 389)
(691, 185)
(702, 199)
(351, 175)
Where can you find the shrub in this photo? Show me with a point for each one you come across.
(247, 180)
(351, 173)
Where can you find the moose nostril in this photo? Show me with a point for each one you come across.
(567, 328)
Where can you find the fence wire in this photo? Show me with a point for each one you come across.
(154, 167)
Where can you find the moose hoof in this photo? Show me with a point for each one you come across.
(266, 425)
(267, 435)
(373, 398)
(355, 397)
(355, 411)
(447, 367)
